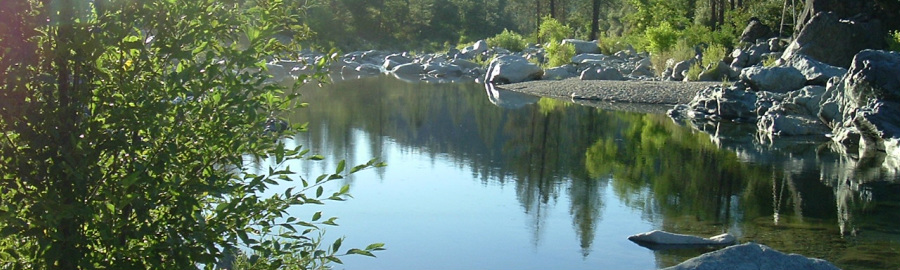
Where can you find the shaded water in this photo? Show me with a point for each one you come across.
(496, 180)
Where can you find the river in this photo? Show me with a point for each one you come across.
(495, 180)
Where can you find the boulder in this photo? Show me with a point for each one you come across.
(408, 69)
(862, 107)
(833, 41)
(752, 256)
(773, 79)
(657, 237)
(841, 8)
(602, 73)
(680, 69)
(394, 60)
(479, 47)
(795, 115)
(512, 69)
(442, 70)
(582, 46)
(559, 73)
(816, 72)
(756, 30)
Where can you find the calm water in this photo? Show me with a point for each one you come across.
(494, 180)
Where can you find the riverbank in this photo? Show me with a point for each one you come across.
(647, 92)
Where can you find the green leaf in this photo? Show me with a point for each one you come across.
(357, 251)
(316, 157)
(317, 216)
(340, 167)
(319, 191)
(337, 245)
(375, 246)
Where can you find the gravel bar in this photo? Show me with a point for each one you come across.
(649, 92)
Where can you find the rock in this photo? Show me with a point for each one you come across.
(752, 256)
(657, 237)
(586, 57)
(775, 45)
(479, 47)
(394, 60)
(512, 69)
(739, 58)
(816, 72)
(862, 107)
(442, 70)
(756, 30)
(830, 40)
(278, 72)
(559, 73)
(726, 104)
(841, 8)
(582, 46)
(602, 73)
(465, 64)
(773, 79)
(718, 72)
(681, 68)
(368, 69)
(643, 67)
(408, 69)
(795, 115)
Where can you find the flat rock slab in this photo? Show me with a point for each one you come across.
(651, 92)
(752, 256)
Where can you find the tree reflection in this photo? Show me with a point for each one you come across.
(680, 179)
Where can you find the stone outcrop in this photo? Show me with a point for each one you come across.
(833, 41)
(752, 256)
(602, 73)
(862, 107)
(815, 72)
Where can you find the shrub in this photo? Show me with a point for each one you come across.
(559, 54)
(713, 54)
(661, 38)
(552, 30)
(682, 51)
(893, 41)
(508, 40)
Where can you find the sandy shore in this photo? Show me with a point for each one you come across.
(646, 92)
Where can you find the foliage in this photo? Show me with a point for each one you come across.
(559, 54)
(680, 52)
(552, 31)
(129, 137)
(661, 38)
(893, 41)
(770, 61)
(508, 40)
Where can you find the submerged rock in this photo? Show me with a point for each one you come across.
(752, 256)
(657, 237)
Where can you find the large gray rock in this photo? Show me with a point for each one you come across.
(863, 107)
(479, 47)
(756, 30)
(841, 8)
(582, 46)
(752, 256)
(602, 73)
(816, 72)
(717, 72)
(833, 41)
(394, 60)
(773, 79)
(512, 69)
(795, 115)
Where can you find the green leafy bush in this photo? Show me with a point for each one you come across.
(679, 53)
(893, 41)
(559, 54)
(553, 31)
(661, 38)
(508, 40)
(131, 142)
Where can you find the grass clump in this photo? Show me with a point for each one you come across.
(508, 40)
(680, 52)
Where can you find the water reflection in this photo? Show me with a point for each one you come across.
(797, 197)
